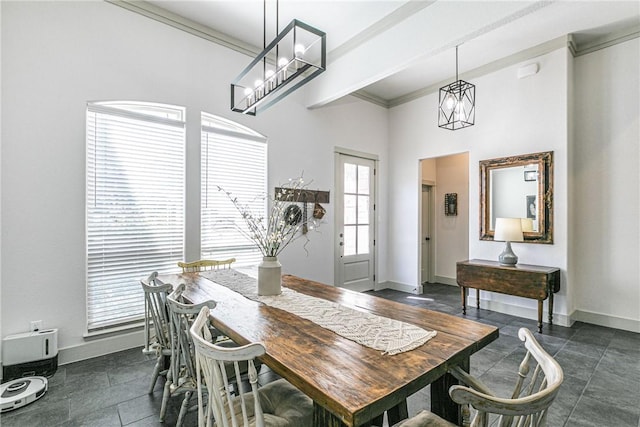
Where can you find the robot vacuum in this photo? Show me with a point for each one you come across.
(20, 392)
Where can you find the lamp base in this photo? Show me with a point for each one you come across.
(507, 257)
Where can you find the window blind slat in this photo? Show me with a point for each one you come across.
(234, 158)
(135, 204)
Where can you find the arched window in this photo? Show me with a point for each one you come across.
(135, 204)
(234, 158)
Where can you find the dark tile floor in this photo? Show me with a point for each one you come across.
(601, 367)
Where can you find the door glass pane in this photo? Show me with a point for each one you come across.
(363, 209)
(363, 179)
(349, 240)
(363, 239)
(350, 178)
(349, 209)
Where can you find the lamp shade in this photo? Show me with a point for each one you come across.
(527, 224)
(508, 230)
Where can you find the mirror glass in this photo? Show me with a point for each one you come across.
(518, 187)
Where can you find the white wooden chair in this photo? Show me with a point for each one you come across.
(156, 325)
(206, 264)
(181, 378)
(276, 404)
(534, 392)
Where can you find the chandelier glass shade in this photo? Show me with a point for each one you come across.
(457, 104)
(292, 59)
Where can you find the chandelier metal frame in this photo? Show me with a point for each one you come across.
(295, 57)
(457, 104)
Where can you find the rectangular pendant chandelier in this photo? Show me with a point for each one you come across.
(295, 57)
(457, 104)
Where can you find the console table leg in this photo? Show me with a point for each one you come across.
(463, 294)
(478, 298)
(540, 315)
(551, 308)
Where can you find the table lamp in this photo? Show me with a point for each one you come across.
(508, 230)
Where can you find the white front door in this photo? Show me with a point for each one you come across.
(355, 222)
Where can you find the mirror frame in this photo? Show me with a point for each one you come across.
(544, 160)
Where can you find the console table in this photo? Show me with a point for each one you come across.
(522, 280)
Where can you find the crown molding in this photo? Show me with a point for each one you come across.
(605, 41)
(568, 41)
(366, 96)
(499, 64)
(166, 17)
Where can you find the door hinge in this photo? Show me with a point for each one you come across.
(374, 277)
(374, 242)
(374, 171)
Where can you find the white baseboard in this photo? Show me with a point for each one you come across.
(446, 280)
(412, 289)
(100, 347)
(520, 311)
(607, 320)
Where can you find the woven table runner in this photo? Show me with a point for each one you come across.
(380, 333)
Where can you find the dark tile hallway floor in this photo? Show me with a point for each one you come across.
(601, 367)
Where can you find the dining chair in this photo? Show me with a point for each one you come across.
(534, 392)
(156, 324)
(205, 264)
(181, 378)
(276, 404)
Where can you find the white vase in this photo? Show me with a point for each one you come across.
(269, 276)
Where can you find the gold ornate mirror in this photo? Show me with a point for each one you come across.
(518, 187)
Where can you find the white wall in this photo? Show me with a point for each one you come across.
(606, 182)
(513, 117)
(59, 55)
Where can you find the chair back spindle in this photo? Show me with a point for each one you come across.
(228, 410)
(156, 319)
(182, 372)
(538, 382)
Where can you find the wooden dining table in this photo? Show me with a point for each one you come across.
(350, 384)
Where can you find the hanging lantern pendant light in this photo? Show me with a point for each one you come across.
(457, 104)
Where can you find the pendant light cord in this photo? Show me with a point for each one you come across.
(276, 35)
(264, 25)
(457, 63)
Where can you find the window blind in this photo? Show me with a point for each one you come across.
(234, 158)
(135, 204)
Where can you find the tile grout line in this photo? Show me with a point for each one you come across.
(588, 381)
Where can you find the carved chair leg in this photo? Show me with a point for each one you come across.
(165, 397)
(155, 374)
(183, 408)
(466, 415)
